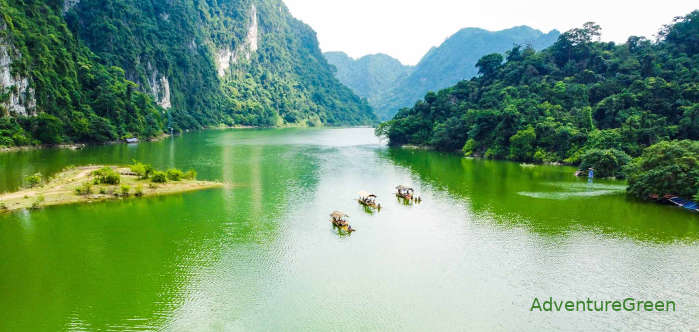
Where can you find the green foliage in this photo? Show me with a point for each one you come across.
(106, 175)
(138, 191)
(84, 189)
(606, 163)
(665, 168)
(174, 174)
(33, 180)
(158, 177)
(574, 97)
(522, 145)
(97, 69)
(190, 175)
(125, 190)
(143, 171)
(77, 97)
(36, 204)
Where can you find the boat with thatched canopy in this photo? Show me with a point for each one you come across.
(339, 218)
(407, 193)
(368, 199)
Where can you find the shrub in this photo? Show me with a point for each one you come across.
(174, 174)
(190, 175)
(84, 189)
(125, 190)
(142, 170)
(665, 168)
(33, 180)
(138, 192)
(159, 177)
(606, 163)
(37, 202)
(107, 175)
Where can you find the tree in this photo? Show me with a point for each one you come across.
(489, 64)
(606, 163)
(522, 145)
(665, 168)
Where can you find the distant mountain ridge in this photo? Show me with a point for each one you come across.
(369, 75)
(443, 66)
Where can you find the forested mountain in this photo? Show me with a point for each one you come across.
(370, 75)
(98, 70)
(441, 67)
(578, 100)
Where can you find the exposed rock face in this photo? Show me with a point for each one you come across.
(226, 57)
(69, 4)
(16, 95)
(160, 87)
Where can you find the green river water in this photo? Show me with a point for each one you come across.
(261, 254)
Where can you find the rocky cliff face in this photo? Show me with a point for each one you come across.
(225, 58)
(16, 95)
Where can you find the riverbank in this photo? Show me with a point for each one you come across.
(72, 146)
(76, 185)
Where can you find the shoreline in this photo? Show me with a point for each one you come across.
(161, 137)
(63, 189)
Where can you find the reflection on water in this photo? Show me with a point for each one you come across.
(261, 253)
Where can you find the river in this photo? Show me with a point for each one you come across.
(260, 254)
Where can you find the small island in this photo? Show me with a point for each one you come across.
(97, 183)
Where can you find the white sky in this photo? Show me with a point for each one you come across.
(407, 29)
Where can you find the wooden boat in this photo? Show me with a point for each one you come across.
(407, 193)
(369, 200)
(339, 219)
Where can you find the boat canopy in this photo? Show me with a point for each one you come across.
(337, 215)
(365, 194)
(404, 188)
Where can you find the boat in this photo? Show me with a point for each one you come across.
(684, 203)
(339, 219)
(369, 200)
(407, 193)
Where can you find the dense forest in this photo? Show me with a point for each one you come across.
(96, 71)
(390, 86)
(580, 101)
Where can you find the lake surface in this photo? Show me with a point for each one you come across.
(261, 254)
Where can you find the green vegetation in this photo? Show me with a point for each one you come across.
(579, 100)
(606, 163)
(158, 177)
(190, 175)
(77, 98)
(174, 174)
(33, 180)
(106, 175)
(143, 171)
(107, 70)
(86, 189)
(665, 168)
(125, 190)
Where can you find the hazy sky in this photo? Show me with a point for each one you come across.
(407, 29)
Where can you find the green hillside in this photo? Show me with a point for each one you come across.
(95, 70)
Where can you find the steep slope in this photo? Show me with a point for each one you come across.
(53, 89)
(236, 62)
(369, 75)
(128, 67)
